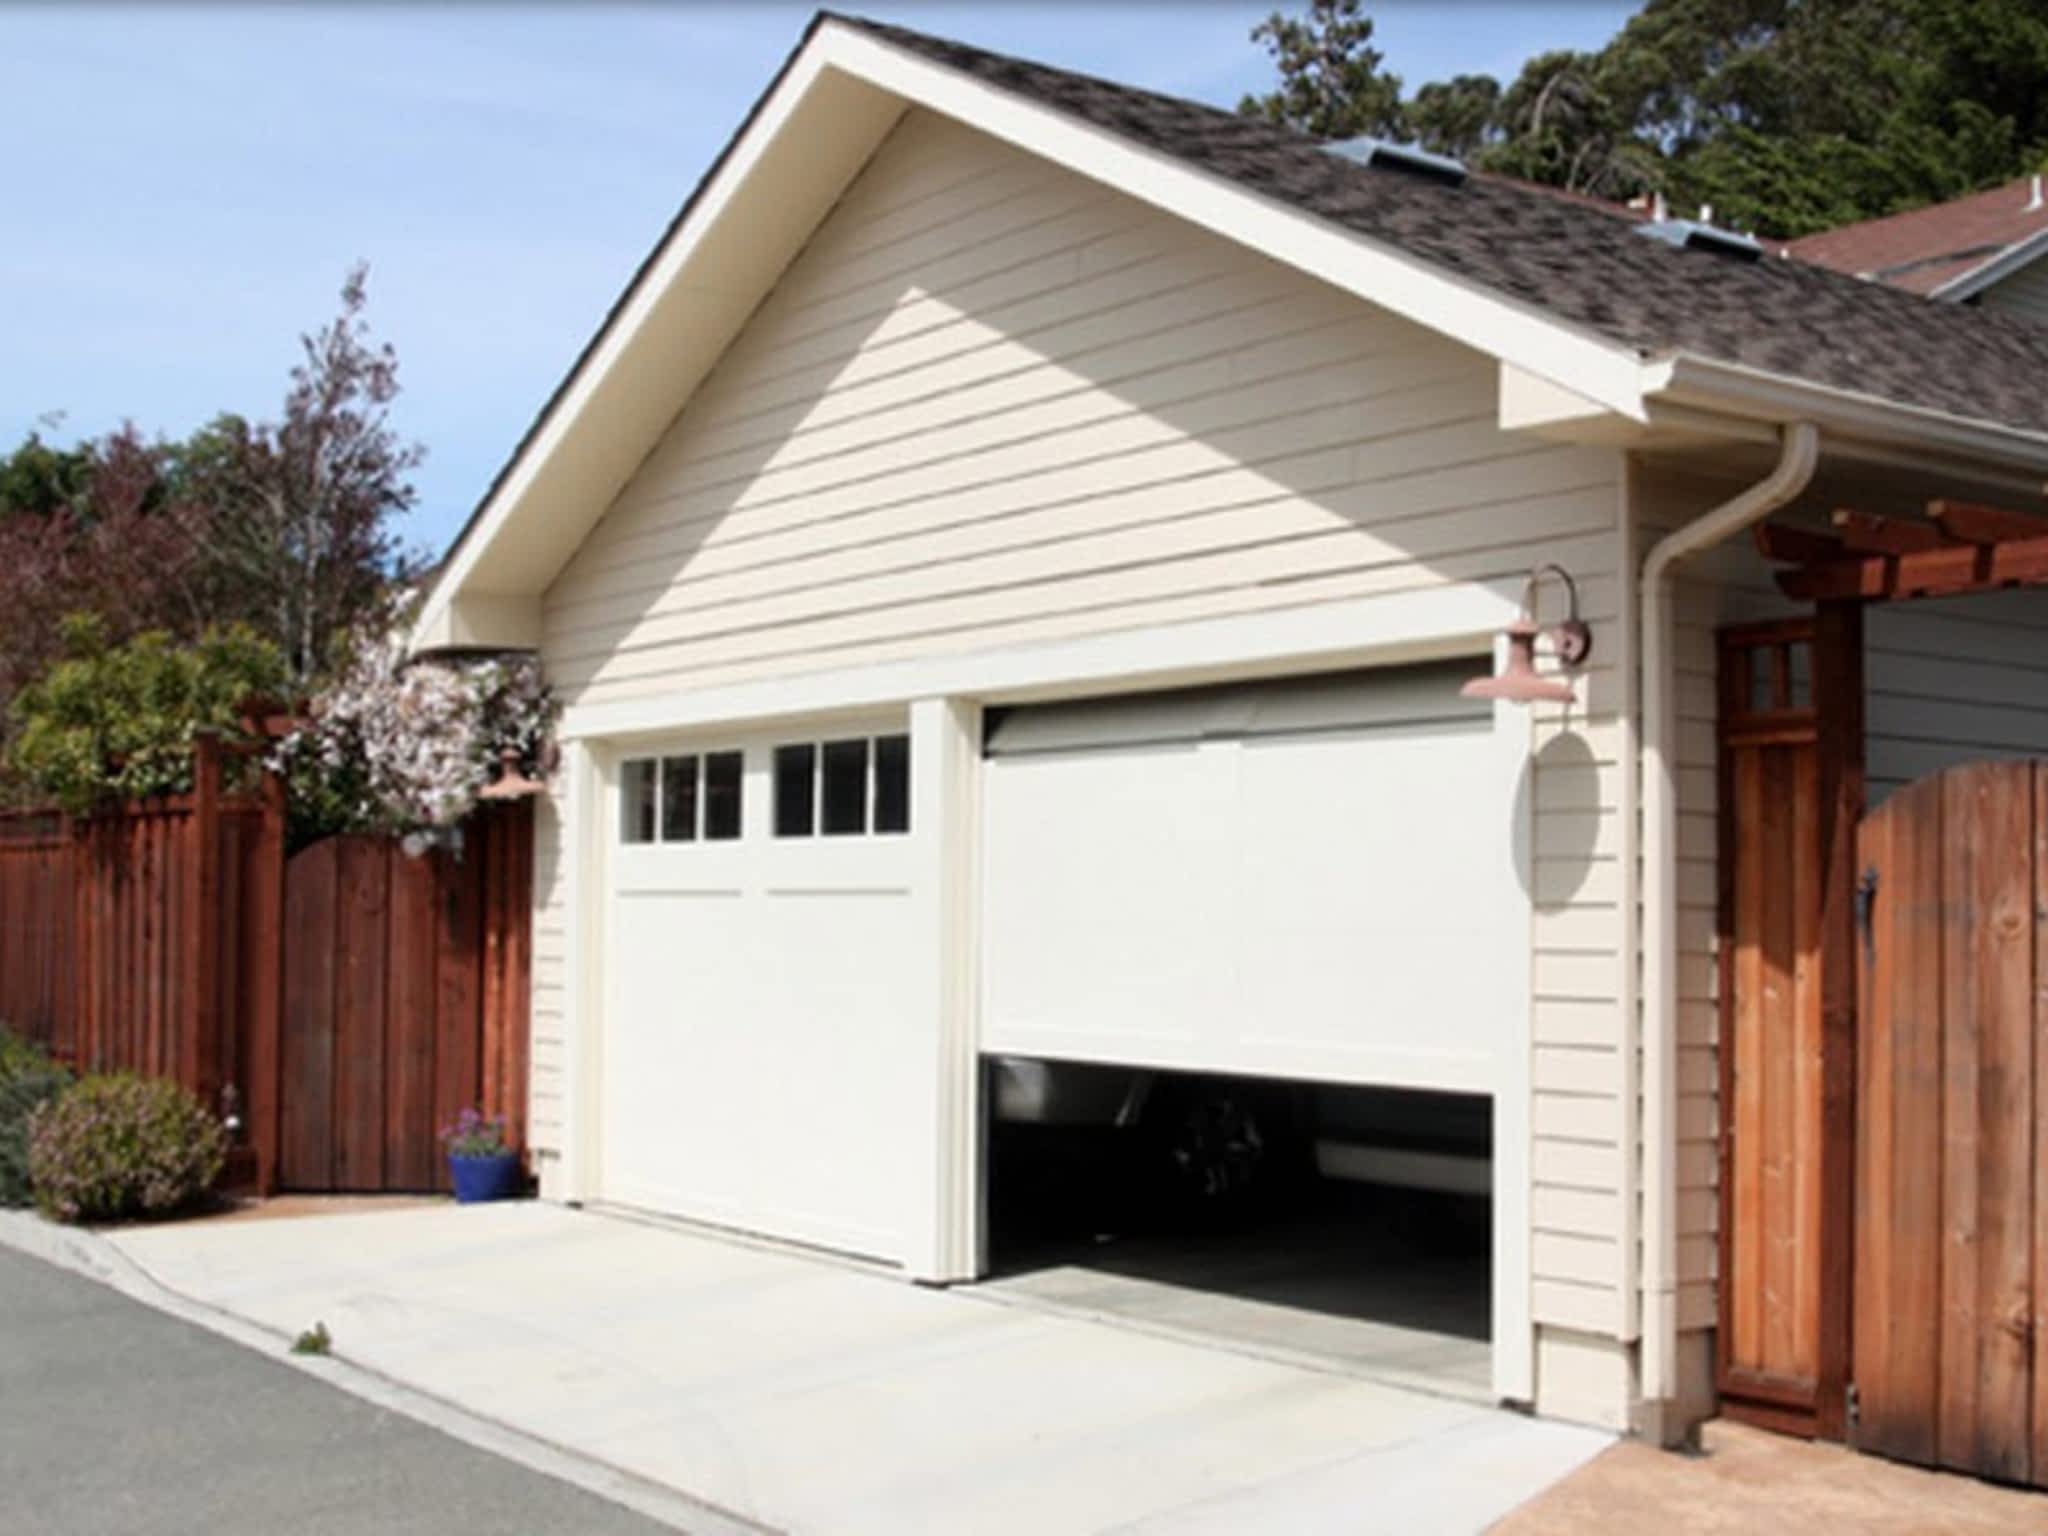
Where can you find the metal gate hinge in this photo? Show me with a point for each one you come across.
(1852, 1401)
(1866, 903)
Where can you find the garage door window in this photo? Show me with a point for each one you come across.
(847, 788)
(637, 800)
(687, 798)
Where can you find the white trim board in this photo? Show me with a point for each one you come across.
(1410, 626)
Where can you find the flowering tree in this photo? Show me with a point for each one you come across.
(398, 745)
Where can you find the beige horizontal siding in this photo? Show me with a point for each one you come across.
(992, 404)
(544, 1089)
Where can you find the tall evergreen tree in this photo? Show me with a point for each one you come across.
(1786, 116)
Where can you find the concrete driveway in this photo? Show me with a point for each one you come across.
(810, 1395)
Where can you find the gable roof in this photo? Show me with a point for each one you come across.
(1565, 292)
(1939, 250)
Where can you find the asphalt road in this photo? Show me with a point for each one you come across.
(115, 1419)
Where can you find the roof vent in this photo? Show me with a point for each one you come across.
(1386, 154)
(1690, 235)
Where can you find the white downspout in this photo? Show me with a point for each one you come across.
(1798, 452)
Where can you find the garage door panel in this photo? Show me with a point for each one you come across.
(1362, 872)
(1320, 901)
(750, 1058)
(755, 1053)
(1088, 952)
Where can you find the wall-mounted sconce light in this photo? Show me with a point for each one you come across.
(511, 782)
(1518, 681)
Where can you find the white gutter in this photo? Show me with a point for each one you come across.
(1798, 453)
(1851, 419)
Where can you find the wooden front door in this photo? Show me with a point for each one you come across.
(1951, 1276)
(1770, 1339)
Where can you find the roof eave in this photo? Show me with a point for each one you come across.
(1856, 425)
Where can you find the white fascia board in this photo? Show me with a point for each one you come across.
(2021, 253)
(1686, 380)
(1486, 321)
(1426, 625)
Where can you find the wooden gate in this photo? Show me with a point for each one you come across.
(1951, 1287)
(405, 998)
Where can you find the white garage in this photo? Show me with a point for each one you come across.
(1300, 879)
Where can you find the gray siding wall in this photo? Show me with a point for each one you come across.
(2025, 293)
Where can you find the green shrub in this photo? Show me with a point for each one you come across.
(114, 721)
(120, 1145)
(28, 1077)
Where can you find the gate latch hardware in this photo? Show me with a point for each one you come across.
(1866, 903)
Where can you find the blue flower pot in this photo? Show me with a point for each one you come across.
(484, 1178)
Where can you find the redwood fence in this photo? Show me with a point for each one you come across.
(339, 1005)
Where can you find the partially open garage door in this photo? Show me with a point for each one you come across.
(1306, 879)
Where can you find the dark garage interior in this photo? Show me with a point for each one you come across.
(1347, 1226)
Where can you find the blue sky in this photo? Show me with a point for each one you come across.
(189, 184)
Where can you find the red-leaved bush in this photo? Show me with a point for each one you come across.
(118, 1146)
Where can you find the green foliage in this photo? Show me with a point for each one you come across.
(1331, 83)
(315, 1340)
(119, 1146)
(1458, 117)
(28, 1078)
(37, 480)
(115, 721)
(1786, 116)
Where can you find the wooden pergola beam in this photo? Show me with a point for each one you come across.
(1970, 523)
(1869, 534)
(1945, 572)
(1797, 546)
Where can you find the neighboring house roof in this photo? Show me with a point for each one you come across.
(1581, 264)
(1558, 289)
(1946, 250)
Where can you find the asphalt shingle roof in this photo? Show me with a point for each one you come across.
(1585, 265)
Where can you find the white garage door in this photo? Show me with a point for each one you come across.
(758, 954)
(1310, 879)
